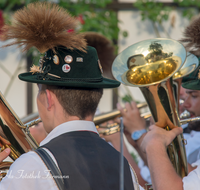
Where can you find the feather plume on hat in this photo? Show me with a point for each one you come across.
(44, 26)
(105, 51)
(191, 39)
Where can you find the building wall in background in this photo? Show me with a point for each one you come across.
(11, 64)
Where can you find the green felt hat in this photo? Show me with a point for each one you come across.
(69, 68)
(193, 85)
(191, 76)
(191, 81)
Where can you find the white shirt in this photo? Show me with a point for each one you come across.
(193, 146)
(192, 152)
(144, 171)
(192, 181)
(29, 172)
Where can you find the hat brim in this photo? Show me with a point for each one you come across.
(192, 85)
(105, 83)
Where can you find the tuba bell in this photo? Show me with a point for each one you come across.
(150, 65)
(14, 134)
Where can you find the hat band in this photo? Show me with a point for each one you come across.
(48, 77)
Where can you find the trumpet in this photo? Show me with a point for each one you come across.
(33, 119)
(101, 118)
(114, 127)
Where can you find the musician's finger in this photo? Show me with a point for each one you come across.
(134, 105)
(128, 107)
(176, 131)
(119, 107)
(4, 154)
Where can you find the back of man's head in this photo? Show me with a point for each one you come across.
(77, 101)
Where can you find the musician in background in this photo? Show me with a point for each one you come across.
(70, 85)
(38, 132)
(192, 105)
(133, 122)
(191, 97)
(162, 172)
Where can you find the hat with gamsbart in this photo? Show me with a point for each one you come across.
(67, 60)
(71, 68)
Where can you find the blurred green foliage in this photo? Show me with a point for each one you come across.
(191, 7)
(159, 12)
(93, 13)
(127, 98)
(135, 157)
(155, 11)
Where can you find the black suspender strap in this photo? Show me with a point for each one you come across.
(57, 176)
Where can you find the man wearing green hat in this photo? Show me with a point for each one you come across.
(192, 96)
(192, 104)
(163, 175)
(70, 84)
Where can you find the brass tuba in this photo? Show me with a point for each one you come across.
(150, 65)
(13, 134)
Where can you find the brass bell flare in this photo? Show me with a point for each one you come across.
(149, 62)
(191, 63)
(151, 66)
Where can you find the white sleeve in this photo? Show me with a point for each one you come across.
(192, 181)
(28, 172)
(144, 171)
(135, 181)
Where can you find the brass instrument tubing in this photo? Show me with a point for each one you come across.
(113, 114)
(184, 121)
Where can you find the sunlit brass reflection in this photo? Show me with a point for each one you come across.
(155, 66)
(152, 72)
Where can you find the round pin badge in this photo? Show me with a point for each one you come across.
(66, 68)
(68, 59)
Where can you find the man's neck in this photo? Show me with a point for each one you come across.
(71, 118)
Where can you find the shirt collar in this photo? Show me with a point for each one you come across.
(70, 126)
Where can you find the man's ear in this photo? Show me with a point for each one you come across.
(49, 99)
